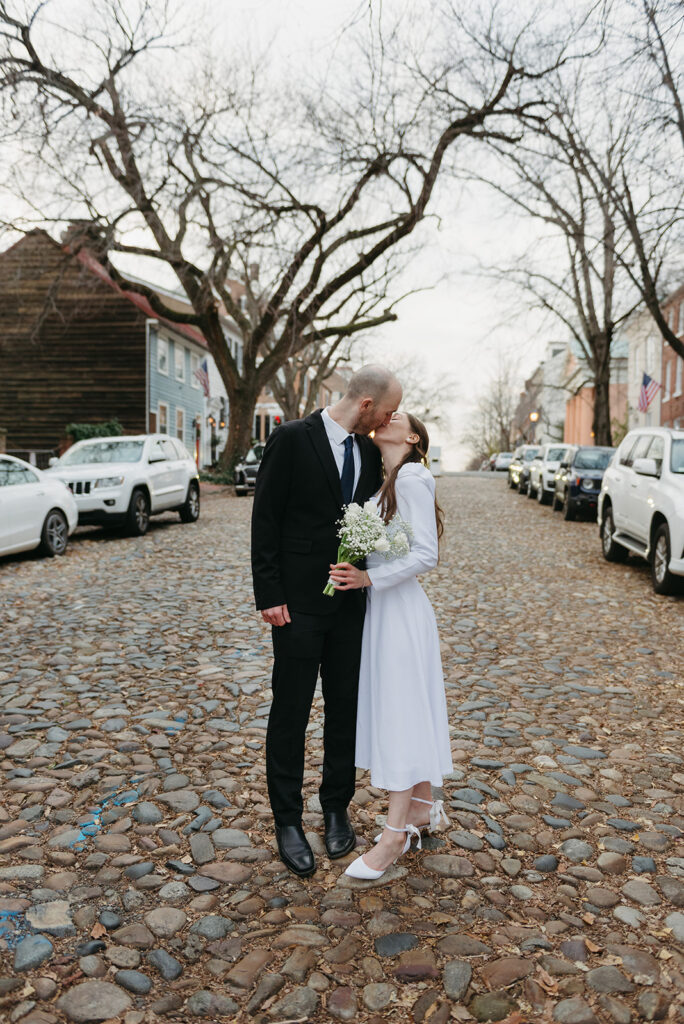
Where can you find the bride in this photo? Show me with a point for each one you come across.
(402, 730)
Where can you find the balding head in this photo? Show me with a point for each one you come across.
(372, 382)
(374, 393)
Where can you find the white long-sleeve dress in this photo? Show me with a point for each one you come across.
(402, 729)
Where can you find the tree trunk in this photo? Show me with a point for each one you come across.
(241, 405)
(601, 418)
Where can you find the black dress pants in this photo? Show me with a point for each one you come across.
(331, 643)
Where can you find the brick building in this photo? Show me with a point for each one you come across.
(672, 379)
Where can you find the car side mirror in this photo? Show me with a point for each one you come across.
(645, 467)
(52, 461)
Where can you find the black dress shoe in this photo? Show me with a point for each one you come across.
(294, 850)
(340, 837)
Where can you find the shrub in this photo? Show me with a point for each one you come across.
(82, 431)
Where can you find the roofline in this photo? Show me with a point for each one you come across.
(677, 293)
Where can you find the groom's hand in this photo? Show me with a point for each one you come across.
(278, 616)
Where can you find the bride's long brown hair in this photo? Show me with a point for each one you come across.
(418, 453)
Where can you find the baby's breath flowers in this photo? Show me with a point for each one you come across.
(362, 531)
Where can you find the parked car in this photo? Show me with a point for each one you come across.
(577, 482)
(519, 468)
(501, 462)
(122, 481)
(245, 472)
(543, 471)
(641, 505)
(35, 509)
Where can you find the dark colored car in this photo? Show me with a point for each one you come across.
(578, 481)
(245, 472)
(519, 469)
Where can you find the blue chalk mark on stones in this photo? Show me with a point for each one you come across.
(13, 927)
(118, 798)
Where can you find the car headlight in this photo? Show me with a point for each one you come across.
(588, 484)
(109, 481)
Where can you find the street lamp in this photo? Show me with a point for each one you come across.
(534, 417)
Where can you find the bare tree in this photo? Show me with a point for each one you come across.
(218, 170)
(650, 192)
(492, 428)
(298, 382)
(564, 176)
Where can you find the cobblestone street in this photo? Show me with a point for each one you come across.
(139, 879)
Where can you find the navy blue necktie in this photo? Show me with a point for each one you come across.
(347, 478)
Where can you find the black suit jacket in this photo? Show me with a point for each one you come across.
(297, 503)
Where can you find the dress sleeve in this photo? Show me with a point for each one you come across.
(415, 504)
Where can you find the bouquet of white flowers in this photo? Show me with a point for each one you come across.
(362, 531)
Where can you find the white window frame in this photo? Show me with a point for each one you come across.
(162, 347)
(680, 319)
(668, 381)
(160, 406)
(679, 372)
(194, 366)
(179, 350)
(180, 410)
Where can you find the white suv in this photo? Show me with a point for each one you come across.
(122, 481)
(543, 471)
(641, 504)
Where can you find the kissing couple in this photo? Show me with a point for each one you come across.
(374, 642)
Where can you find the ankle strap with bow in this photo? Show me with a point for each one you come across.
(410, 830)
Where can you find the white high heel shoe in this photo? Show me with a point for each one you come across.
(359, 869)
(437, 816)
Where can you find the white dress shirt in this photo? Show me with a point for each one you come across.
(337, 435)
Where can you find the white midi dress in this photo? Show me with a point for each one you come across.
(402, 728)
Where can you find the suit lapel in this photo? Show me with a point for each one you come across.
(319, 440)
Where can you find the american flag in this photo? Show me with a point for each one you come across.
(648, 391)
(202, 374)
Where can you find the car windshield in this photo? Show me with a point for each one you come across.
(253, 455)
(531, 454)
(677, 458)
(592, 458)
(103, 451)
(555, 454)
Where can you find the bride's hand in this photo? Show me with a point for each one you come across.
(346, 576)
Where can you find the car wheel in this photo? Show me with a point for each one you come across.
(612, 552)
(138, 515)
(522, 488)
(568, 508)
(663, 580)
(55, 533)
(190, 510)
(530, 492)
(556, 505)
(510, 483)
(542, 496)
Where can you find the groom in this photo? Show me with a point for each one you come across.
(311, 468)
